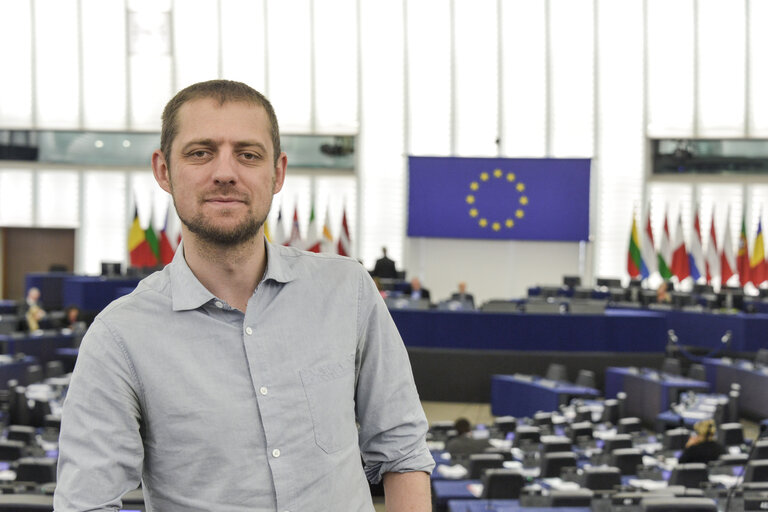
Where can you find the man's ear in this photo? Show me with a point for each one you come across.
(160, 170)
(280, 168)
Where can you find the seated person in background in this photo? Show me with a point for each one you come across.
(74, 323)
(702, 446)
(415, 291)
(662, 293)
(32, 309)
(464, 443)
(463, 296)
(384, 267)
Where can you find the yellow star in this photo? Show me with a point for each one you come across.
(510, 223)
(484, 176)
(519, 214)
(473, 212)
(497, 173)
(474, 185)
(524, 200)
(471, 199)
(483, 223)
(510, 176)
(520, 187)
(496, 226)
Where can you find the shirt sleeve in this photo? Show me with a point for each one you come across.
(393, 427)
(100, 448)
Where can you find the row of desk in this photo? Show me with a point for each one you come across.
(619, 330)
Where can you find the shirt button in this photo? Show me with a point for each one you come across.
(275, 453)
(248, 331)
(219, 304)
(263, 390)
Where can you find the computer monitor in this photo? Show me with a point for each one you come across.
(609, 282)
(111, 268)
(572, 281)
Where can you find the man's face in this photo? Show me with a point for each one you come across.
(222, 175)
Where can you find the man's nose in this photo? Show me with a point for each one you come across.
(225, 170)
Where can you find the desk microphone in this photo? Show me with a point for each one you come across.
(740, 478)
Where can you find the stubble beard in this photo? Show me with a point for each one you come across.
(208, 232)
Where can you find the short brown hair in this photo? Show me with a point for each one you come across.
(222, 91)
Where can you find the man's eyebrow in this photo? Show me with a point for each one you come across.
(199, 142)
(250, 143)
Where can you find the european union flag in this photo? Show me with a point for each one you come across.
(499, 198)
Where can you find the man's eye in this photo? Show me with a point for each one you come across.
(199, 153)
(250, 156)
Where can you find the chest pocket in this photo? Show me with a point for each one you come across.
(330, 392)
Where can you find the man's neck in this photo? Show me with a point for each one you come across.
(230, 273)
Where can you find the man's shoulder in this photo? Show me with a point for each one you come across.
(301, 262)
(151, 293)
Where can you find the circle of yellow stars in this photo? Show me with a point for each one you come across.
(496, 224)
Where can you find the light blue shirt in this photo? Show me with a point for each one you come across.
(215, 409)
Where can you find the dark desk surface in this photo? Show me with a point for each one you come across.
(649, 392)
(624, 331)
(504, 506)
(753, 397)
(517, 396)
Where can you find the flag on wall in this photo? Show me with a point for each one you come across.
(140, 252)
(635, 265)
(713, 260)
(313, 240)
(665, 252)
(345, 245)
(696, 254)
(499, 198)
(680, 266)
(727, 259)
(757, 265)
(166, 248)
(647, 248)
(742, 257)
(279, 233)
(326, 239)
(295, 238)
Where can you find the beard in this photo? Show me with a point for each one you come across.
(233, 236)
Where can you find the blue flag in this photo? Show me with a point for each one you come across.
(499, 198)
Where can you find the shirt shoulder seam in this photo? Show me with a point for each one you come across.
(117, 339)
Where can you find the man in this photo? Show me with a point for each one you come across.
(463, 296)
(233, 379)
(416, 291)
(384, 267)
(464, 444)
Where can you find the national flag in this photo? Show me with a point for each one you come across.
(267, 233)
(727, 259)
(713, 259)
(635, 265)
(313, 240)
(696, 253)
(758, 271)
(138, 248)
(166, 249)
(742, 256)
(295, 238)
(646, 245)
(154, 243)
(279, 234)
(345, 245)
(665, 252)
(680, 266)
(326, 239)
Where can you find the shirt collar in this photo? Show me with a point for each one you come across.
(189, 293)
